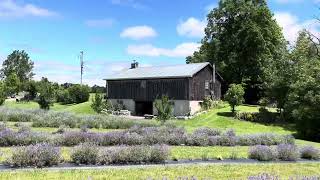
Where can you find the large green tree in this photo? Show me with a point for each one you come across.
(242, 39)
(19, 63)
(12, 84)
(2, 93)
(46, 96)
(303, 102)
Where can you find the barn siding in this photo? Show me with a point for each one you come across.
(198, 91)
(192, 89)
(148, 89)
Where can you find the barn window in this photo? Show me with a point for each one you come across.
(206, 85)
(143, 84)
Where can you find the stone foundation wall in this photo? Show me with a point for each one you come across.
(128, 103)
(181, 107)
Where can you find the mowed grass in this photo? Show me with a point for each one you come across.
(221, 118)
(82, 108)
(176, 152)
(203, 171)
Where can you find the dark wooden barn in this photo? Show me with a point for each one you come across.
(186, 85)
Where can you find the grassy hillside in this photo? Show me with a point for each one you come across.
(221, 118)
(82, 108)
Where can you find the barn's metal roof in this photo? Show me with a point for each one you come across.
(154, 72)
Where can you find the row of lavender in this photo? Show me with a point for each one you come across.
(46, 155)
(41, 118)
(284, 152)
(142, 136)
(41, 155)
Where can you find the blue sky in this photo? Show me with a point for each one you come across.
(114, 32)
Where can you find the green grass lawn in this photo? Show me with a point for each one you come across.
(219, 118)
(217, 171)
(82, 108)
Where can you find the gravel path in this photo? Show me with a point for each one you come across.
(70, 166)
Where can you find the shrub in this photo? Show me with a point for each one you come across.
(44, 102)
(72, 138)
(97, 103)
(38, 155)
(159, 153)
(111, 138)
(63, 96)
(207, 103)
(56, 119)
(132, 139)
(134, 154)
(262, 153)
(309, 152)
(24, 129)
(9, 137)
(263, 116)
(79, 93)
(164, 108)
(18, 115)
(198, 140)
(225, 140)
(234, 96)
(287, 152)
(214, 140)
(230, 132)
(264, 139)
(207, 131)
(86, 153)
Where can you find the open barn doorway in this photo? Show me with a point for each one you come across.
(144, 107)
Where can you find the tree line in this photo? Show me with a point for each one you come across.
(17, 75)
(244, 41)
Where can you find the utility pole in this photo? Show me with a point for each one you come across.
(81, 64)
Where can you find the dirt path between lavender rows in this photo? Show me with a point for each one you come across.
(70, 166)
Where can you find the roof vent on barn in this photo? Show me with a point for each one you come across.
(134, 64)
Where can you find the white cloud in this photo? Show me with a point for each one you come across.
(181, 50)
(9, 8)
(292, 25)
(108, 22)
(192, 27)
(138, 32)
